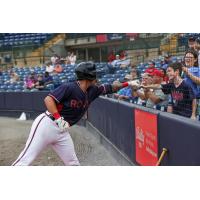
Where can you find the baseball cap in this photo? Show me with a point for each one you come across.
(150, 70)
(157, 73)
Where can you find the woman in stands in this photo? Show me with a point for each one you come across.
(192, 73)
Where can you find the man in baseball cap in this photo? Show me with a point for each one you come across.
(156, 97)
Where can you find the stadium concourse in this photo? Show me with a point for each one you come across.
(89, 151)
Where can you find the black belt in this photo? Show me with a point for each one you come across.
(50, 116)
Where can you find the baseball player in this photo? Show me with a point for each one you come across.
(65, 107)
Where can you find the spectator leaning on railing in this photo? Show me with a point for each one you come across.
(156, 97)
(181, 94)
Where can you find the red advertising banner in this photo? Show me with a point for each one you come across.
(101, 38)
(146, 138)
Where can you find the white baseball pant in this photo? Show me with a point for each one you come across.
(44, 131)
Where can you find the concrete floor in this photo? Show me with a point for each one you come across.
(13, 136)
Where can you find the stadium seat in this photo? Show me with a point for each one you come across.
(9, 90)
(34, 90)
(3, 87)
(107, 76)
(64, 81)
(17, 90)
(50, 87)
(10, 87)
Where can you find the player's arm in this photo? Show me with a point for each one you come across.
(51, 105)
(52, 108)
(117, 85)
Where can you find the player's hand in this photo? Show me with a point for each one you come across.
(133, 84)
(62, 124)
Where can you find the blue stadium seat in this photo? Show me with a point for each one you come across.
(50, 87)
(119, 71)
(10, 87)
(71, 78)
(116, 76)
(34, 90)
(9, 90)
(3, 87)
(103, 80)
(18, 87)
(55, 78)
(111, 80)
(64, 81)
(36, 41)
(17, 90)
(25, 90)
(62, 77)
(107, 76)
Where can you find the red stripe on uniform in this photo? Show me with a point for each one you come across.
(29, 143)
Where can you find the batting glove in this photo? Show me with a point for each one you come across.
(62, 124)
